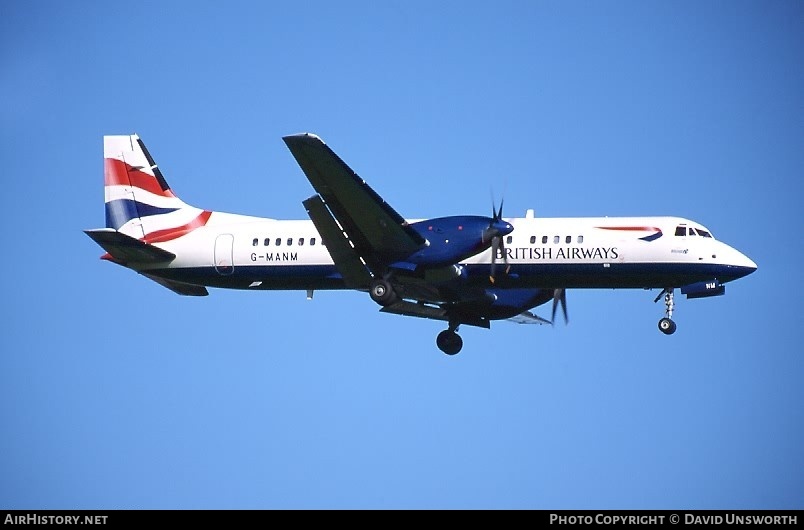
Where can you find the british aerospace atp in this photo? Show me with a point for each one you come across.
(463, 270)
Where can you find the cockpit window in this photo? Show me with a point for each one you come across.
(683, 230)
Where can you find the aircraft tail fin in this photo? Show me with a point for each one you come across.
(139, 202)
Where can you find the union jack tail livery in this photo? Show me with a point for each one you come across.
(139, 202)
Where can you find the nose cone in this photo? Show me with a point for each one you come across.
(739, 264)
(748, 264)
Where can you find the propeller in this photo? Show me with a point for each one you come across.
(560, 297)
(495, 232)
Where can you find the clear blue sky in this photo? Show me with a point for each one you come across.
(117, 393)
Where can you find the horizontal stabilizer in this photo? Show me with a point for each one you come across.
(184, 289)
(126, 249)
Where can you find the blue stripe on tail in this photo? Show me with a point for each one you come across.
(121, 211)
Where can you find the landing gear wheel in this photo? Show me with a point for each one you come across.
(449, 342)
(382, 293)
(667, 326)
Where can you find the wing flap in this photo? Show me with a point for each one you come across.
(346, 259)
(380, 235)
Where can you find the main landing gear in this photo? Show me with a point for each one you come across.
(382, 292)
(666, 325)
(448, 341)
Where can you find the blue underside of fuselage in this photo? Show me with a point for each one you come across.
(538, 276)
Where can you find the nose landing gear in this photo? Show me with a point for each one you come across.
(666, 325)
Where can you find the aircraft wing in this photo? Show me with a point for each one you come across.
(421, 310)
(380, 235)
(526, 317)
(346, 259)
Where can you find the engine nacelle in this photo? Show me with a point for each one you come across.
(450, 240)
(704, 289)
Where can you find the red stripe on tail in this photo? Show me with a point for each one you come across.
(118, 173)
(170, 234)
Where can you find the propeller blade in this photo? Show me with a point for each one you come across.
(560, 297)
(495, 232)
(495, 243)
(505, 256)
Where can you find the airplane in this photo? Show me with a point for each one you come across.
(462, 270)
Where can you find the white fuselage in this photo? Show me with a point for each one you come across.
(238, 251)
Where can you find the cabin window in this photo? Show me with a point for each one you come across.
(569, 239)
(290, 241)
(312, 241)
(509, 239)
(267, 241)
(255, 242)
(580, 239)
(544, 240)
(301, 241)
(681, 230)
(278, 241)
(532, 239)
(556, 239)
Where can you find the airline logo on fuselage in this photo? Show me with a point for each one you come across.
(549, 253)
